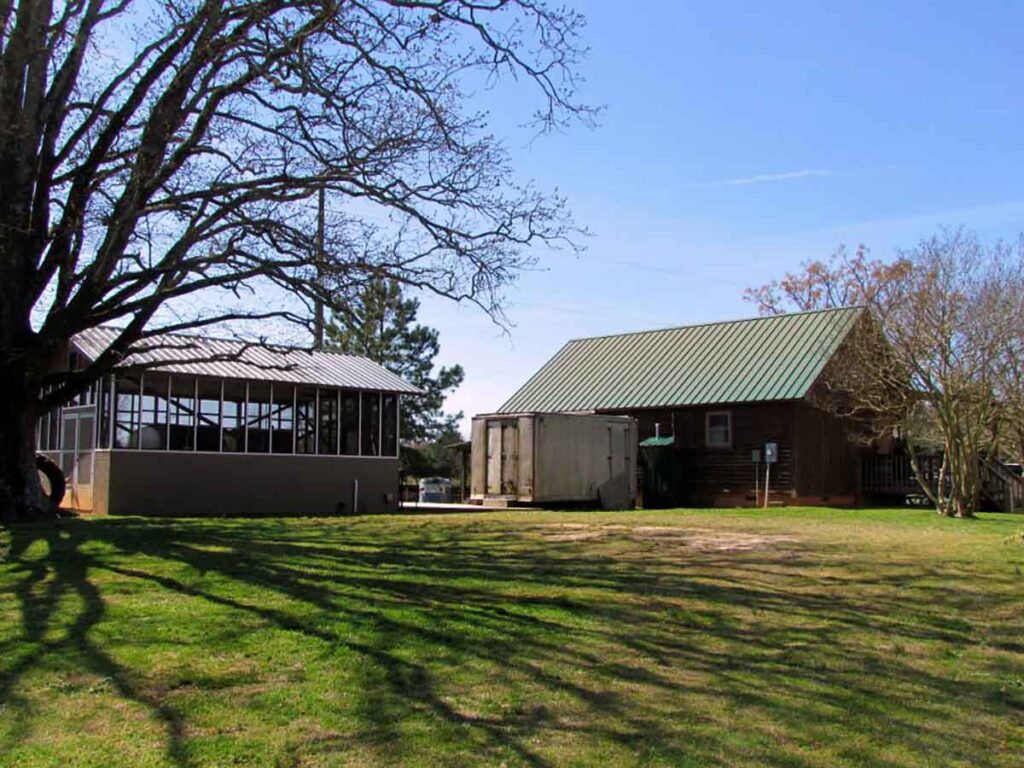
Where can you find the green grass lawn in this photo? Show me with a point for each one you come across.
(787, 637)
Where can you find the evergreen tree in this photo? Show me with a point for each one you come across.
(381, 324)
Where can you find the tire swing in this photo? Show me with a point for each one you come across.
(54, 477)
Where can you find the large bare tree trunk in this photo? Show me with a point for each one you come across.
(21, 496)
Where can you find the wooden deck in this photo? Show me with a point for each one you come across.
(888, 476)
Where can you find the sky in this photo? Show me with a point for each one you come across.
(738, 141)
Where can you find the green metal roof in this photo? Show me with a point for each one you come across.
(759, 359)
(657, 442)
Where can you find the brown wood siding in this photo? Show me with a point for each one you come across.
(828, 461)
(730, 470)
(817, 460)
(705, 472)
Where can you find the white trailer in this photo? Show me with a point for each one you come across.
(554, 458)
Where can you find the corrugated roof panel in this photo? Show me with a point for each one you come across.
(759, 359)
(657, 442)
(221, 358)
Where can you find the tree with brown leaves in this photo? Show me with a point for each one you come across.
(936, 358)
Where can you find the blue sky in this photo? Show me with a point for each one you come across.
(741, 139)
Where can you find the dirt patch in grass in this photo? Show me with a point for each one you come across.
(700, 539)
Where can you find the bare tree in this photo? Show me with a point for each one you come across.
(933, 359)
(156, 151)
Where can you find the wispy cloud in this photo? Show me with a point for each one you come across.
(743, 181)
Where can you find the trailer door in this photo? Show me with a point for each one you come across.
(510, 458)
(494, 458)
(502, 450)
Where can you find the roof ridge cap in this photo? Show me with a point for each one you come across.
(708, 323)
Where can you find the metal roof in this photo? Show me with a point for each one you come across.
(658, 442)
(758, 359)
(221, 358)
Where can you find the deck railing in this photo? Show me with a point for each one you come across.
(893, 475)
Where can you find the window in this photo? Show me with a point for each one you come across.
(208, 431)
(305, 421)
(389, 424)
(83, 449)
(43, 432)
(182, 414)
(371, 424)
(75, 363)
(68, 438)
(232, 417)
(153, 429)
(126, 417)
(160, 411)
(282, 419)
(257, 418)
(719, 429)
(48, 426)
(350, 423)
(104, 436)
(328, 419)
(54, 439)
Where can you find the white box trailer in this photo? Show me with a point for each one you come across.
(554, 458)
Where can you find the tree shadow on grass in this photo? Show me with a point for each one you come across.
(629, 637)
(42, 584)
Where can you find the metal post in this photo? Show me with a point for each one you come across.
(270, 421)
(220, 419)
(167, 412)
(245, 420)
(318, 304)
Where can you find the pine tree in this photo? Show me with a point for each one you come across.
(381, 324)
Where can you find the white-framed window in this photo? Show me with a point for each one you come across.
(718, 429)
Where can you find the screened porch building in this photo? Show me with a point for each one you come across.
(218, 427)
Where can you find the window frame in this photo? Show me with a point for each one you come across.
(330, 423)
(707, 429)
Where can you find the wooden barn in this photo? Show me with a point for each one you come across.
(708, 398)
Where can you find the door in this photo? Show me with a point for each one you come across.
(502, 450)
(510, 458)
(76, 456)
(494, 458)
(617, 492)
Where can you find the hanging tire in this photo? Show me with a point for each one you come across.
(54, 477)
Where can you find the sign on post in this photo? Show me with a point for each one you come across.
(771, 456)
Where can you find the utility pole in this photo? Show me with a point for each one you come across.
(318, 304)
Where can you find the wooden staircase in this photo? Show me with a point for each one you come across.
(1001, 487)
